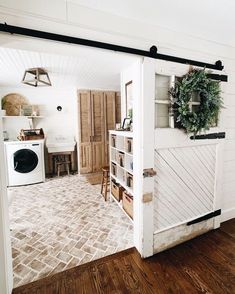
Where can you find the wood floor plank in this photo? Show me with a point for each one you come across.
(203, 265)
(218, 258)
(114, 270)
(229, 227)
(184, 284)
(163, 270)
(195, 265)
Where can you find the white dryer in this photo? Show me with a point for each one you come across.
(25, 162)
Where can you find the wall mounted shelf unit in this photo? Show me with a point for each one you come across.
(30, 119)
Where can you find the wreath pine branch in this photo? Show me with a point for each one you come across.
(209, 93)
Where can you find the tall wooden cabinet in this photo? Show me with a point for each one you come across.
(98, 112)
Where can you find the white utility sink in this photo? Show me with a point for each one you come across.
(60, 144)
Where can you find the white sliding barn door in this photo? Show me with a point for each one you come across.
(187, 185)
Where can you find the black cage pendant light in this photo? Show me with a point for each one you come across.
(36, 77)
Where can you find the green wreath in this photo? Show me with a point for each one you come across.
(206, 115)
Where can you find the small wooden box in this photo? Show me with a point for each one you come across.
(116, 190)
(120, 158)
(127, 203)
(129, 180)
(113, 169)
(32, 134)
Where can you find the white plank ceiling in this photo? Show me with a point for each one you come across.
(89, 68)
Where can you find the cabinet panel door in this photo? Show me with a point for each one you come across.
(84, 114)
(97, 156)
(85, 157)
(97, 129)
(109, 121)
(110, 115)
(84, 111)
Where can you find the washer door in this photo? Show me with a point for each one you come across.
(25, 161)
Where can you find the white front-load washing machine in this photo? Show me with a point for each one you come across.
(25, 162)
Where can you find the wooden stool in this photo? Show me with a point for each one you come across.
(59, 164)
(60, 160)
(55, 157)
(105, 181)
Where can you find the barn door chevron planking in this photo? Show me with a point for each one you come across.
(184, 184)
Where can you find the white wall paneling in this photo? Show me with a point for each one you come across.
(41, 8)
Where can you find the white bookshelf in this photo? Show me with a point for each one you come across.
(124, 167)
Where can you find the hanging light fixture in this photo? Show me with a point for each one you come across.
(36, 77)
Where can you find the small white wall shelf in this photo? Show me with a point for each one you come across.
(121, 168)
(29, 118)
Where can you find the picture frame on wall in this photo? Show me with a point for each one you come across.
(129, 99)
(127, 124)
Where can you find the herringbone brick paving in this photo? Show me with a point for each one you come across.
(63, 223)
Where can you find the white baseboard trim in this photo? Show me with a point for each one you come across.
(227, 214)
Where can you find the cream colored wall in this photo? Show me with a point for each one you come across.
(54, 122)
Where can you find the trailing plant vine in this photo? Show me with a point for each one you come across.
(196, 82)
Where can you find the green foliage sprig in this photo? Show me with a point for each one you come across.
(206, 114)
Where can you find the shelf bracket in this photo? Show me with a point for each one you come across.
(30, 121)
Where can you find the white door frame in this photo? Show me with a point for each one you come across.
(141, 74)
(6, 273)
(143, 210)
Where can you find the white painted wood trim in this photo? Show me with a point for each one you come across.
(228, 214)
(6, 274)
(147, 143)
(170, 238)
(122, 133)
(218, 192)
(180, 224)
(133, 73)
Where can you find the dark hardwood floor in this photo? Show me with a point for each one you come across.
(205, 264)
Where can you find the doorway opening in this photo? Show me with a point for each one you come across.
(57, 141)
